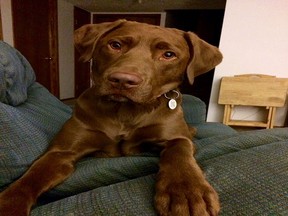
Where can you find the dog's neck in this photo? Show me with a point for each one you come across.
(172, 97)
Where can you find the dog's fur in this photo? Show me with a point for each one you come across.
(136, 67)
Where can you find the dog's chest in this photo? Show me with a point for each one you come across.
(130, 129)
(121, 131)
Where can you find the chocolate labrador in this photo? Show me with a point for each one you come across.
(133, 106)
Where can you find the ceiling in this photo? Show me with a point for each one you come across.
(146, 5)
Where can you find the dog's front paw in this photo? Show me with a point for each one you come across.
(186, 197)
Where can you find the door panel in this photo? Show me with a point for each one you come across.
(153, 19)
(35, 36)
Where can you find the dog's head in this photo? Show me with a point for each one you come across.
(139, 62)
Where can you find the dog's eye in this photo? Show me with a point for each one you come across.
(115, 45)
(169, 55)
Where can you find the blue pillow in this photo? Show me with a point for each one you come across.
(16, 75)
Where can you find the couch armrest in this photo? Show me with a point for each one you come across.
(194, 110)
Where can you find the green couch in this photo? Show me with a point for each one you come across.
(248, 169)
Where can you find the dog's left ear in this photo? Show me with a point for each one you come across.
(204, 56)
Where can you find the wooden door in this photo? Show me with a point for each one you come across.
(35, 36)
(82, 69)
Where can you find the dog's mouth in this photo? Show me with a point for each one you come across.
(132, 95)
(118, 98)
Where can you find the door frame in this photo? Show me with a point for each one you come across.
(1, 31)
(53, 48)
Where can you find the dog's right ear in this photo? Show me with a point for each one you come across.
(85, 38)
(204, 56)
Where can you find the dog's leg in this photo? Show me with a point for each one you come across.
(181, 187)
(50, 169)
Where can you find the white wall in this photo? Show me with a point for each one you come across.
(254, 39)
(6, 16)
(66, 49)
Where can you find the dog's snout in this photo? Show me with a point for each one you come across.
(126, 80)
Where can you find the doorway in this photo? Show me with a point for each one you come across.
(207, 24)
(36, 37)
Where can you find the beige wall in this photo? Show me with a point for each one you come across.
(6, 17)
(66, 49)
(253, 40)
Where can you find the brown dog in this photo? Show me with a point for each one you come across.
(132, 106)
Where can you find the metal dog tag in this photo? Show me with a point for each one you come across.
(172, 104)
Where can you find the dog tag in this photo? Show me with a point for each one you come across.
(172, 104)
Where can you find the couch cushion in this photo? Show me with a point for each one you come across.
(249, 171)
(27, 129)
(194, 109)
(211, 129)
(16, 75)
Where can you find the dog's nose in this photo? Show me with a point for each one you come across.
(124, 80)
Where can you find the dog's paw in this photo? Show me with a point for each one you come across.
(186, 197)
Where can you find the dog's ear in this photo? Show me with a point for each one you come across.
(204, 56)
(85, 38)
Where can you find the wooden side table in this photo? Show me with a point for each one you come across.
(252, 90)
